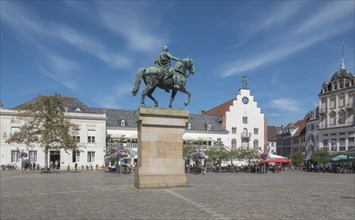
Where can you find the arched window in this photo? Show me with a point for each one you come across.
(256, 144)
(234, 143)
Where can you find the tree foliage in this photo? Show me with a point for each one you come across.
(297, 158)
(321, 155)
(248, 154)
(45, 122)
(218, 154)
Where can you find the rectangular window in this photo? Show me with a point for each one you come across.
(14, 130)
(91, 136)
(234, 130)
(333, 143)
(33, 156)
(256, 130)
(91, 156)
(76, 156)
(341, 101)
(14, 156)
(295, 140)
(341, 144)
(325, 143)
(332, 104)
(77, 138)
(245, 120)
(303, 139)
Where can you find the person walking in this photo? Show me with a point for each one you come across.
(56, 164)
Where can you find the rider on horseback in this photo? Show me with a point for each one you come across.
(163, 61)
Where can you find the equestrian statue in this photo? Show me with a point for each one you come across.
(164, 76)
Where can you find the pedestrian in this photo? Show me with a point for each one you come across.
(56, 164)
(51, 165)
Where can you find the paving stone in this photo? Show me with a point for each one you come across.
(100, 195)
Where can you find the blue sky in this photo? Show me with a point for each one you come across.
(92, 50)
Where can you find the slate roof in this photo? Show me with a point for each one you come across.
(342, 73)
(199, 122)
(70, 102)
(115, 116)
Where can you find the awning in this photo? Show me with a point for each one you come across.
(342, 158)
(276, 160)
(117, 136)
(308, 158)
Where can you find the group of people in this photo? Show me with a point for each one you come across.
(27, 165)
(54, 166)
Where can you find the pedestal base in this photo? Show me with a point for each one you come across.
(160, 148)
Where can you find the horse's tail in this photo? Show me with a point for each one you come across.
(138, 80)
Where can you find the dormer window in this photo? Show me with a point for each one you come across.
(209, 127)
(335, 86)
(123, 123)
(77, 109)
(189, 126)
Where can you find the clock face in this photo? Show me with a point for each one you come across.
(245, 100)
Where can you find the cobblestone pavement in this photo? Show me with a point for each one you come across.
(99, 195)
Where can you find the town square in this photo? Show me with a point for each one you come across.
(177, 110)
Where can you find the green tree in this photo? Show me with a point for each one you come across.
(219, 155)
(46, 122)
(248, 154)
(321, 156)
(297, 158)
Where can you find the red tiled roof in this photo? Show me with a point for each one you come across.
(301, 124)
(221, 109)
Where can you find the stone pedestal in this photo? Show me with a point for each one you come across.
(160, 147)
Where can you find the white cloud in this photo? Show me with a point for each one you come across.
(116, 98)
(307, 33)
(90, 46)
(135, 25)
(286, 105)
(60, 69)
(40, 32)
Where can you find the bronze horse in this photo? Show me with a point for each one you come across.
(152, 78)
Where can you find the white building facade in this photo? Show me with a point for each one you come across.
(91, 138)
(336, 111)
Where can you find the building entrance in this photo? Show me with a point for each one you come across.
(55, 156)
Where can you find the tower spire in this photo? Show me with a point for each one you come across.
(342, 65)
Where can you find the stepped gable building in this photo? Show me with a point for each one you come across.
(336, 111)
(292, 137)
(243, 119)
